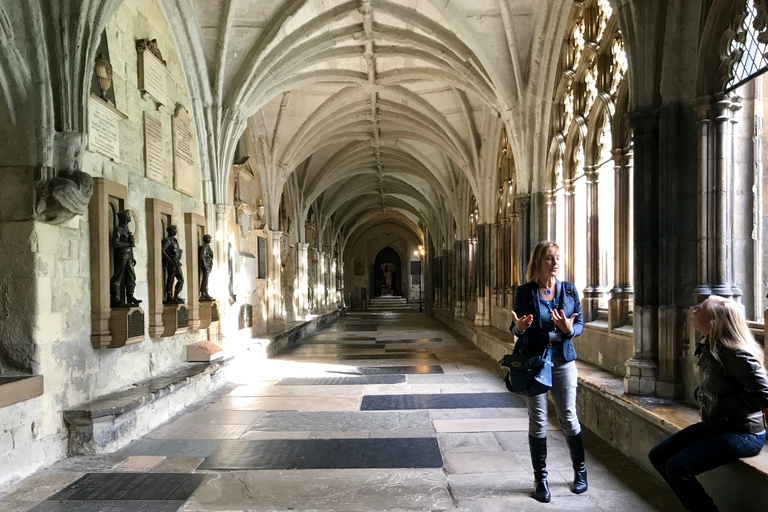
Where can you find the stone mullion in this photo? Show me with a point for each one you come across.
(445, 272)
(483, 273)
(592, 293)
(570, 230)
(622, 291)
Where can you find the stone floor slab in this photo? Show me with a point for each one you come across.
(177, 465)
(192, 431)
(108, 506)
(442, 401)
(343, 421)
(286, 404)
(140, 463)
(130, 487)
(482, 425)
(322, 490)
(326, 453)
(172, 447)
(471, 442)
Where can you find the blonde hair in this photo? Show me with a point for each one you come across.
(535, 262)
(729, 328)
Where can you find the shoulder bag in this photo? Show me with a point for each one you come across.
(528, 375)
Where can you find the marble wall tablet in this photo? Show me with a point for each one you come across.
(104, 128)
(154, 148)
(183, 153)
(153, 75)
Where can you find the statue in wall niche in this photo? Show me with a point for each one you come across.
(172, 267)
(205, 265)
(123, 280)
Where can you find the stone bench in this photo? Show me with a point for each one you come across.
(113, 420)
(634, 424)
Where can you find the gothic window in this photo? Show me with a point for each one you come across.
(590, 84)
(748, 47)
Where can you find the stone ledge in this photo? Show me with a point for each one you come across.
(111, 421)
(281, 340)
(18, 388)
(634, 424)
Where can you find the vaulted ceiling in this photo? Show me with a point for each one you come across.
(368, 106)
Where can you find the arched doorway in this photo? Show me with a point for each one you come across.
(386, 273)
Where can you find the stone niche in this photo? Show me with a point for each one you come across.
(194, 225)
(110, 327)
(164, 319)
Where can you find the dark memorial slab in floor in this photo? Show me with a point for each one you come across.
(131, 486)
(412, 340)
(414, 355)
(351, 380)
(405, 370)
(419, 452)
(439, 401)
(108, 506)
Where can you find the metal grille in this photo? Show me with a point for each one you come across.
(182, 317)
(753, 61)
(136, 324)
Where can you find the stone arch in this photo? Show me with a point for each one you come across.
(387, 272)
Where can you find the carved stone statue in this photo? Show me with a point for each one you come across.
(63, 196)
(124, 277)
(172, 267)
(205, 265)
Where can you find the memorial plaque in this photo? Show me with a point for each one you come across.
(104, 128)
(262, 254)
(153, 75)
(136, 324)
(245, 283)
(214, 312)
(182, 317)
(131, 486)
(154, 148)
(183, 153)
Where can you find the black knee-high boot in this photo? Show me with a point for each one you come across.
(576, 447)
(539, 460)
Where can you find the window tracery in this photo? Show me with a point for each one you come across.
(747, 43)
(592, 71)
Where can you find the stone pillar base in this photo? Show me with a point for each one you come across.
(618, 311)
(460, 309)
(640, 378)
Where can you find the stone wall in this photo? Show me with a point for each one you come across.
(47, 279)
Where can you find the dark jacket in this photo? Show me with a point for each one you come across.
(534, 340)
(733, 392)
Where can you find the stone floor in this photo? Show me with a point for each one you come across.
(384, 411)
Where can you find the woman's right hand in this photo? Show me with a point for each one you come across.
(522, 323)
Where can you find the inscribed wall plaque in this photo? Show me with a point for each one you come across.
(153, 75)
(183, 153)
(262, 255)
(154, 148)
(359, 268)
(245, 281)
(104, 128)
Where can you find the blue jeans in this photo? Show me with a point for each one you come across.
(694, 450)
(564, 381)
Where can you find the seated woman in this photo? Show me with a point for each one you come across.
(732, 395)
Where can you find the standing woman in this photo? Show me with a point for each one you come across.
(548, 312)
(732, 395)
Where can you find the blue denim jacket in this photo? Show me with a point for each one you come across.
(534, 340)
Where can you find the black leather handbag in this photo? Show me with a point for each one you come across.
(528, 375)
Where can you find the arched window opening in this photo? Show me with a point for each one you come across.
(585, 193)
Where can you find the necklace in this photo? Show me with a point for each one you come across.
(547, 289)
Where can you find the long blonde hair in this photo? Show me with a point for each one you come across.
(729, 328)
(531, 273)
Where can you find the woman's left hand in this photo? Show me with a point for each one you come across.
(562, 322)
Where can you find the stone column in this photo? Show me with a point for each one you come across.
(333, 292)
(524, 220)
(445, 272)
(568, 246)
(322, 285)
(461, 275)
(593, 293)
(642, 368)
(483, 274)
(275, 314)
(303, 279)
(622, 293)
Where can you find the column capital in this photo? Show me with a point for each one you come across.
(222, 210)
